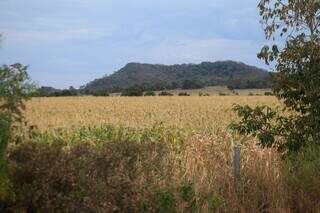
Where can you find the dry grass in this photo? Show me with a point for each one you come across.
(146, 166)
(192, 113)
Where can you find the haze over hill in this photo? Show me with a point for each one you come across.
(188, 76)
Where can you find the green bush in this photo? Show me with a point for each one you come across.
(165, 93)
(150, 93)
(183, 94)
(223, 94)
(268, 94)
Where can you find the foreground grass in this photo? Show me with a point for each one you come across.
(107, 169)
(167, 154)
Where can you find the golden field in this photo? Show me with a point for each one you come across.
(194, 113)
(150, 154)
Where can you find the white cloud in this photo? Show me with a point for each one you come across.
(53, 36)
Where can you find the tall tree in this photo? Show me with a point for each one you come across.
(297, 80)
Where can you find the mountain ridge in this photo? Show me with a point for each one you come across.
(158, 76)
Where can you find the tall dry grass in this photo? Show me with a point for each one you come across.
(150, 154)
(108, 169)
(190, 113)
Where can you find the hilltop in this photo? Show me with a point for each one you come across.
(187, 76)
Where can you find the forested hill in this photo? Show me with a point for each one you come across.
(187, 76)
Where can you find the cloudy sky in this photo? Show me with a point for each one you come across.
(70, 42)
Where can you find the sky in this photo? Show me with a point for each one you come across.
(71, 42)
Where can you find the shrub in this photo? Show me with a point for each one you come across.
(268, 94)
(165, 93)
(150, 93)
(223, 94)
(183, 94)
(84, 177)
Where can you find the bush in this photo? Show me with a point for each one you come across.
(268, 94)
(183, 94)
(133, 91)
(165, 93)
(150, 93)
(57, 177)
(223, 94)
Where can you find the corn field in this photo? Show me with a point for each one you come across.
(146, 154)
(191, 113)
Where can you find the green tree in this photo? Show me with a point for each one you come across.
(297, 80)
(15, 86)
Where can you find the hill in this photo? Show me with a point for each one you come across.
(187, 76)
